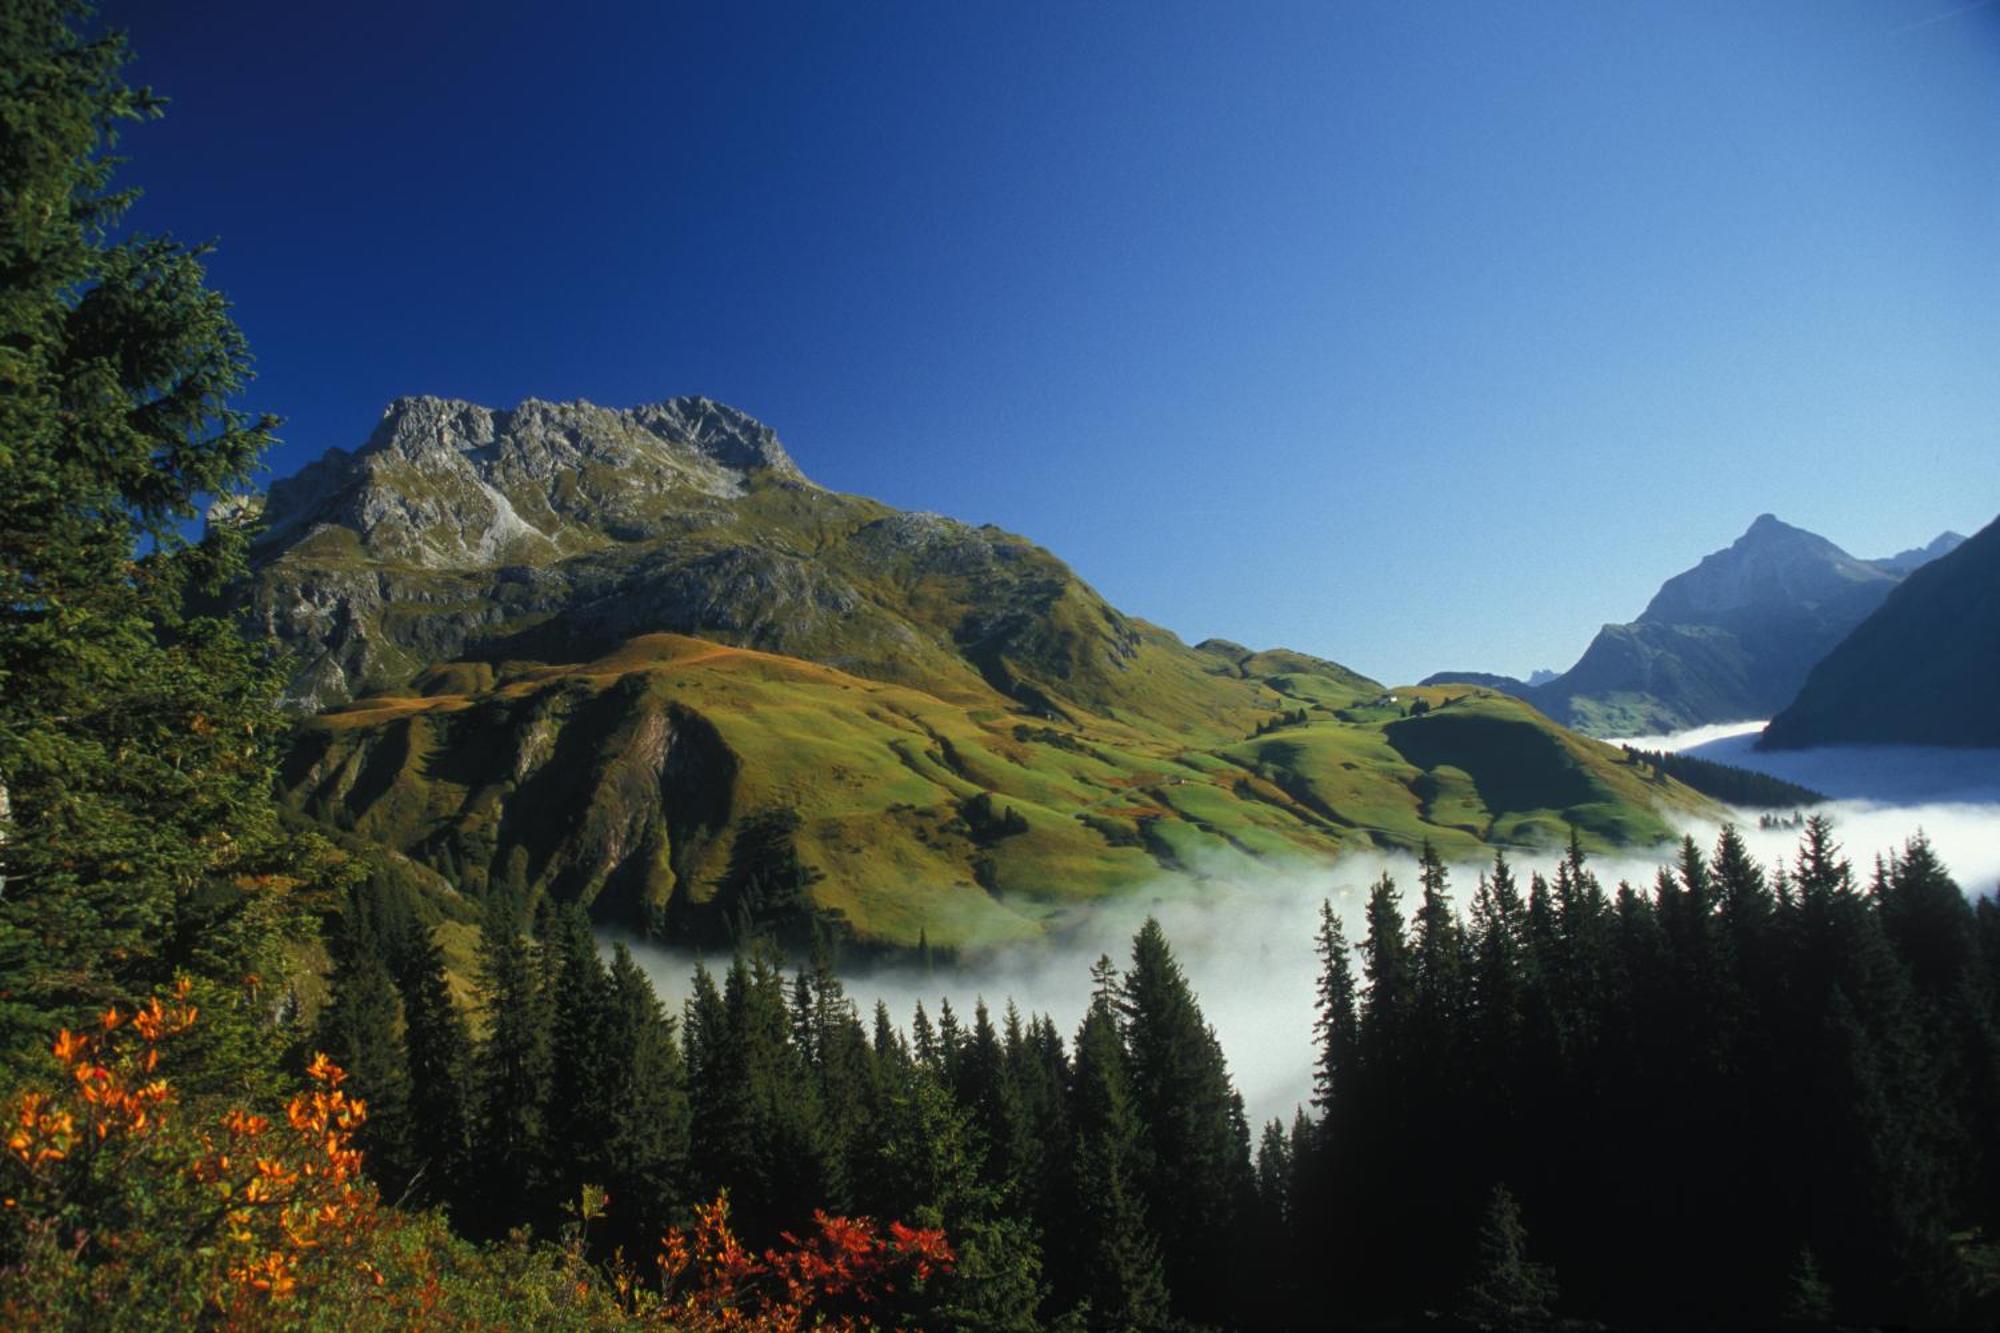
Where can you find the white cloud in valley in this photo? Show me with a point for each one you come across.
(1245, 934)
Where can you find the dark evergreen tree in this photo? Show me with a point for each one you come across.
(1439, 1056)
(582, 1064)
(514, 1085)
(1808, 1298)
(924, 1043)
(927, 1167)
(440, 1064)
(986, 1087)
(1113, 1260)
(1499, 949)
(643, 1157)
(1040, 1068)
(1508, 1291)
(1376, 1161)
(1868, 1102)
(1198, 1178)
(1324, 1162)
(1336, 1019)
(361, 1030)
(139, 834)
(828, 1035)
(757, 1124)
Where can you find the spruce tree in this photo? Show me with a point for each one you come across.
(1114, 1261)
(643, 1156)
(1324, 1161)
(1498, 995)
(1379, 1160)
(1508, 1291)
(440, 1072)
(1198, 1180)
(986, 1088)
(1335, 1021)
(139, 836)
(361, 1031)
(1440, 1025)
(758, 1127)
(1808, 1299)
(514, 1085)
(582, 1066)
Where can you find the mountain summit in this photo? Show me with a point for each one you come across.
(635, 659)
(1728, 640)
(446, 484)
(1773, 566)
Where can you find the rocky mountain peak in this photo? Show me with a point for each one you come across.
(1907, 562)
(420, 426)
(445, 483)
(1773, 564)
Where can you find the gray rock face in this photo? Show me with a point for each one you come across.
(1771, 566)
(556, 530)
(445, 484)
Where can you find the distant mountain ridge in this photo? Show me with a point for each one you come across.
(1485, 680)
(1908, 562)
(637, 659)
(1731, 639)
(1922, 670)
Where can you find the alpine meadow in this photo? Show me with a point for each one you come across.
(493, 837)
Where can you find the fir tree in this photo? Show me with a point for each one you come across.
(1198, 1179)
(514, 1077)
(642, 1159)
(1114, 1262)
(1335, 1023)
(758, 1127)
(139, 837)
(440, 1072)
(582, 1064)
(361, 1030)
(1508, 1291)
(1808, 1298)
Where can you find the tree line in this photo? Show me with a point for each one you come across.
(1735, 1096)
(1725, 782)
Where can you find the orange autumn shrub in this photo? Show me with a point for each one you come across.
(112, 1195)
(121, 1206)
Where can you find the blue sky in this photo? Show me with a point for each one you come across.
(1418, 335)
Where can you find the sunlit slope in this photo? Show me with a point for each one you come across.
(633, 782)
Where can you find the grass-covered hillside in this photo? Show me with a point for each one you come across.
(692, 785)
(636, 658)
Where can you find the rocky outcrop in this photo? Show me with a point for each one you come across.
(554, 531)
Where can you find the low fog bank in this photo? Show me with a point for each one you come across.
(1246, 945)
(1882, 794)
(1889, 775)
(1245, 935)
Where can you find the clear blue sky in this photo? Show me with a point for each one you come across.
(1419, 335)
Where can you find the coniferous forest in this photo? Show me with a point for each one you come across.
(244, 1087)
(1738, 1096)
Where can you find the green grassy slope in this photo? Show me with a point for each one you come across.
(628, 781)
